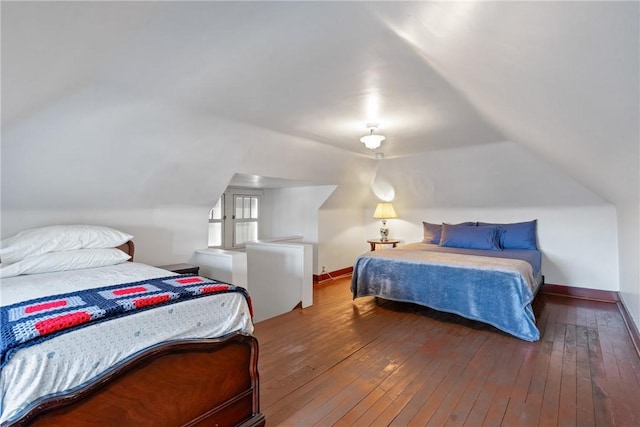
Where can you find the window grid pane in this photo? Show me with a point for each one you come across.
(215, 234)
(247, 207)
(254, 208)
(243, 224)
(238, 206)
(246, 232)
(216, 212)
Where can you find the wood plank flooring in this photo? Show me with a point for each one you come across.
(372, 362)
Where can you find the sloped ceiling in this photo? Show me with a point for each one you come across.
(89, 88)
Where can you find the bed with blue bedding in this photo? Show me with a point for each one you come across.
(495, 286)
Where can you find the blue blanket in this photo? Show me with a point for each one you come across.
(30, 322)
(496, 291)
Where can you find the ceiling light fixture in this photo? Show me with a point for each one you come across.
(372, 141)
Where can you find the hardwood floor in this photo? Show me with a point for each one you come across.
(366, 362)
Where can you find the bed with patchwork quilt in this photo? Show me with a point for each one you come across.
(125, 343)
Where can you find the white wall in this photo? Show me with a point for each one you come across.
(294, 211)
(498, 182)
(161, 235)
(154, 173)
(578, 244)
(340, 232)
(629, 244)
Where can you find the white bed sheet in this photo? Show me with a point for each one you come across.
(70, 361)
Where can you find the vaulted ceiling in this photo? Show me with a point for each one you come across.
(561, 79)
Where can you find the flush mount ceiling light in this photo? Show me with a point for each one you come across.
(372, 141)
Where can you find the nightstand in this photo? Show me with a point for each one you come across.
(374, 242)
(181, 268)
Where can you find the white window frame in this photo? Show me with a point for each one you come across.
(228, 217)
(221, 220)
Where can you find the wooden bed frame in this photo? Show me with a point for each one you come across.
(211, 381)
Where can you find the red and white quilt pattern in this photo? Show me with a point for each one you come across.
(29, 322)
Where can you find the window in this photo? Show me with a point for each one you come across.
(216, 220)
(245, 219)
(243, 212)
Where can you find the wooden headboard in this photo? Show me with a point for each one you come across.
(128, 248)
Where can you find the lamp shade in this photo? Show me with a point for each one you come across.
(372, 141)
(385, 210)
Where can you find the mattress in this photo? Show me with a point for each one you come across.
(70, 361)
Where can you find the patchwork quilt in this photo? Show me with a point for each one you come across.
(30, 322)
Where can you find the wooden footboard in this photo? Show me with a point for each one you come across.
(189, 383)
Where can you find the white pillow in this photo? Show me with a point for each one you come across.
(64, 260)
(53, 238)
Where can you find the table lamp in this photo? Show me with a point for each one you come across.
(384, 211)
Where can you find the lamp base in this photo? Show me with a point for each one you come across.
(384, 231)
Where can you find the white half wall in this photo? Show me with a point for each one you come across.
(220, 264)
(279, 276)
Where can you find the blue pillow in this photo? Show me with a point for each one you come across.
(432, 232)
(517, 235)
(480, 237)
